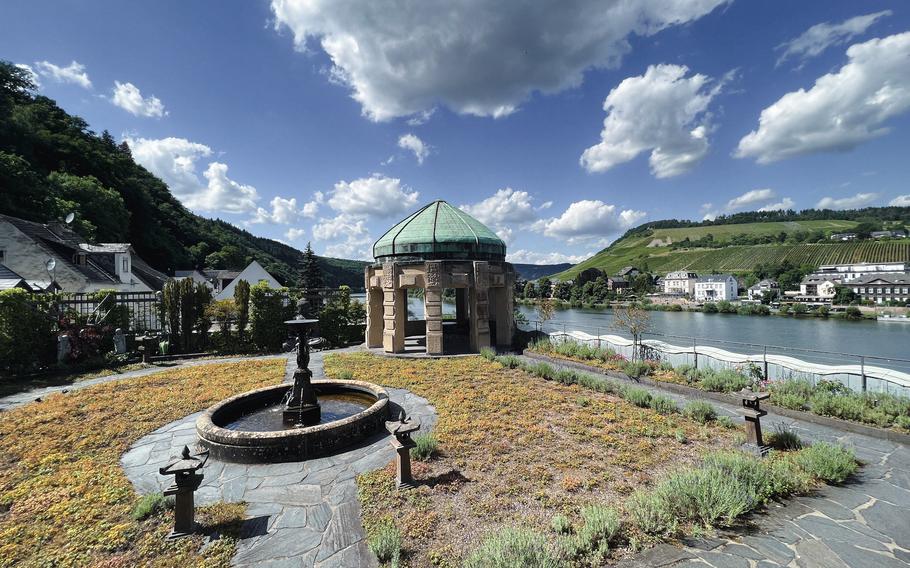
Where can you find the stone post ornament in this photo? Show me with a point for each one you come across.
(187, 479)
(402, 442)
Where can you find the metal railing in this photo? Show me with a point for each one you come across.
(143, 307)
(860, 372)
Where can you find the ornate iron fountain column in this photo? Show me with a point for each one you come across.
(302, 406)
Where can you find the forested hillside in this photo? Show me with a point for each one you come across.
(52, 164)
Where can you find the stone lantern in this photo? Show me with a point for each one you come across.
(402, 442)
(753, 412)
(186, 480)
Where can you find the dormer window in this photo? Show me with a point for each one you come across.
(80, 259)
(125, 267)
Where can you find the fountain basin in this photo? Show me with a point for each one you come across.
(219, 427)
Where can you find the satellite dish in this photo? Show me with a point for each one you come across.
(70, 217)
(51, 264)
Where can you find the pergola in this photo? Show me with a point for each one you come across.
(437, 248)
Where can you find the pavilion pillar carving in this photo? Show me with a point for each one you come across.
(374, 317)
(433, 307)
(394, 310)
(479, 298)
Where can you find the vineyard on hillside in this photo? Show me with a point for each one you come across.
(740, 259)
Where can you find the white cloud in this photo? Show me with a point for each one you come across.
(284, 212)
(505, 207)
(415, 145)
(842, 110)
(174, 161)
(310, 208)
(31, 73)
(293, 234)
(73, 73)
(533, 257)
(588, 219)
(545, 205)
(852, 202)
(820, 37)
(783, 204)
(375, 196)
(900, 201)
(482, 58)
(349, 235)
(128, 97)
(662, 111)
(750, 198)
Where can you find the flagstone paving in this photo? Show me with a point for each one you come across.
(299, 514)
(863, 523)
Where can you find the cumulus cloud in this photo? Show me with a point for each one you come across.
(505, 208)
(283, 211)
(128, 97)
(662, 111)
(588, 219)
(750, 198)
(900, 201)
(73, 73)
(293, 234)
(415, 145)
(32, 75)
(481, 58)
(783, 204)
(851, 202)
(534, 257)
(348, 233)
(820, 37)
(174, 161)
(842, 110)
(375, 196)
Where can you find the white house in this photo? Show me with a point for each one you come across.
(715, 288)
(849, 272)
(253, 273)
(42, 253)
(817, 289)
(758, 291)
(680, 282)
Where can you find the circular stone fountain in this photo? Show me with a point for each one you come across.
(293, 422)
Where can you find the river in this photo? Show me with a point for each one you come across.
(785, 335)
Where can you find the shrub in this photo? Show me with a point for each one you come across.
(700, 411)
(488, 354)
(149, 505)
(827, 462)
(242, 301)
(427, 447)
(651, 513)
(710, 308)
(385, 542)
(267, 316)
(26, 337)
(345, 375)
(902, 422)
(637, 396)
(510, 547)
(788, 400)
(542, 370)
(726, 422)
(560, 524)
(341, 318)
(509, 361)
(724, 381)
(784, 439)
(601, 525)
(566, 377)
(636, 369)
(847, 407)
(663, 404)
(787, 478)
(853, 313)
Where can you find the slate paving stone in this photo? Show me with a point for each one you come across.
(828, 531)
(305, 509)
(723, 560)
(816, 554)
(889, 520)
(856, 557)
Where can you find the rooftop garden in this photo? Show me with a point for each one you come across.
(532, 466)
(824, 398)
(64, 499)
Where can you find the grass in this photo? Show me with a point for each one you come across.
(66, 499)
(519, 450)
(10, 386)
(427, 447)
(511, 547)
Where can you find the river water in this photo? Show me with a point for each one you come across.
(784, 335)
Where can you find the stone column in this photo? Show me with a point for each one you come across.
(480, 307)
(394, 310)
(503, 313)
(432, 297)
(374, 317)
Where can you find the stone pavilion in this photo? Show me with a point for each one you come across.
(439, 248)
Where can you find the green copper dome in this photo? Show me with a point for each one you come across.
(439, 231)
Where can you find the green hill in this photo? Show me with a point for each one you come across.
(658, 250)
(52, 164)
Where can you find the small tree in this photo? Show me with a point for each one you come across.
(224, 312)
(338, 317)
(310, 271)
(634, 321)
(545, 310)
(242, 304)
(530, 290)
(268, 312)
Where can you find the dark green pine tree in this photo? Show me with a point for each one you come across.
(310, 271)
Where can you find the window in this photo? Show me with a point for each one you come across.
(2, 255)
(126, 265)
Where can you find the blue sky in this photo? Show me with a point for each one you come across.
(327, 121)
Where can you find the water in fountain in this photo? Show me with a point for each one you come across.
(334, 407)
